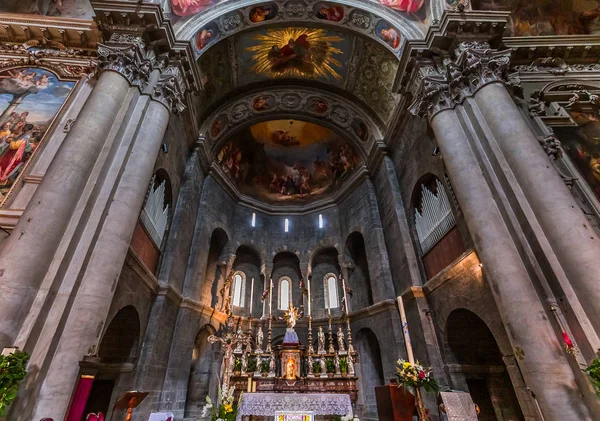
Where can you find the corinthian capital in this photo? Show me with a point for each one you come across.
(127, 55)
(437, 88)
(170, 89)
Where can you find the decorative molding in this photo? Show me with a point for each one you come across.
(131, 61)
(551, 146)
(170, 89)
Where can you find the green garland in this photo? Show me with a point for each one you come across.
(12, 371)
(593, 370)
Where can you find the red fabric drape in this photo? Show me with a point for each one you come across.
(82, 393)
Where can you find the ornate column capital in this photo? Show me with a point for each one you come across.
(438, 87)
(127, 55)
(170, 89)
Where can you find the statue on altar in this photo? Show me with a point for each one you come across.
(321, 341)
(336, 362)
(259, 340)
(351, 372)
(291, 316)
(244, 363)
(340, 340)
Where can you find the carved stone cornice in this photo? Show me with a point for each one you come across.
(440, 87)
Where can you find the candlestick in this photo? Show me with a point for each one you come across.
(331, 349)
(251, 296)
(311, 349)
(308, 285)
(270, 297)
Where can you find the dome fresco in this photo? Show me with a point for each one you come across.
(287, 161)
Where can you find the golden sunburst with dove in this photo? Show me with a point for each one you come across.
(296, 52)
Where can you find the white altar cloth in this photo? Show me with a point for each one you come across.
(266, 404)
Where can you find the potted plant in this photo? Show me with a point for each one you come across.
(264, 368)
(252, 364)
(12, 371)
(317, 369)
(344, 366)
(329, 364)
(237, 367)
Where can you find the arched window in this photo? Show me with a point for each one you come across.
(239, 289)
(285, 293)
(331, 291)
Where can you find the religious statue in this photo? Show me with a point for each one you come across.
(310, 365)
(323, 366)
(239, 334)
(244, 363)
(272, 366)
(259, 340)
(291, 316)
(340, 340)
(321, 338)
(350, 366)
(336, 362)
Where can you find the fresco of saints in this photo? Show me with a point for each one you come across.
(13, 156)
(203, 38)
(332, 14)
(390, 36)
(189, 7)
(408, 6)
(261, 14)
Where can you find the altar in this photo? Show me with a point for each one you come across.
(265, 404)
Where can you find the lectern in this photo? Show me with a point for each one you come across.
(394, 403)
(130, 401)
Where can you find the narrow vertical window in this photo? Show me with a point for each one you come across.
(239, 290)
(285, 294)
(287, 225)
(320, 221)
(331, 291)
(253, 219)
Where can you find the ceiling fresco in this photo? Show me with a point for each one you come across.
(296, 52)
(79, 9)
(287, 161)
(547, 17)
(301, 54)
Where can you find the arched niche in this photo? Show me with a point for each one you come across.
(204, 374)
(215, 267)
(249, 262)
(358, 272)
(121, 340)
(324, 262)
(286, 265)
(369, 370)
(478, 366)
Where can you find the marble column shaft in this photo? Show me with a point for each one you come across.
(544, 365)
(573, 241)
(26, 255)
(101, 273)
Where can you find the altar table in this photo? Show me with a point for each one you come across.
(266, 404)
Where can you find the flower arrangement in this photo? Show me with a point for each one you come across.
(344, 365)
(227, 409)
(330, 366)
(264, 367)
(12, 371)
(316, 368)
(415, 375)
(252, 365)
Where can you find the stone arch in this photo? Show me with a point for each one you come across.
(369, 370)
(215, 266)
(204, 373)
(223, 14)
(286, 264)
(324, 261)
(358, 271)
(120, 342)
(249, 261)
(478, 365)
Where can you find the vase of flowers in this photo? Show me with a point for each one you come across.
(415, 375)
(264, 368)
(227, 408)
(237, 367)
(252, 365)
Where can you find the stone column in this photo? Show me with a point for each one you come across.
(107, 256)
(569, 233)
(26, 255)
(543, 362)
